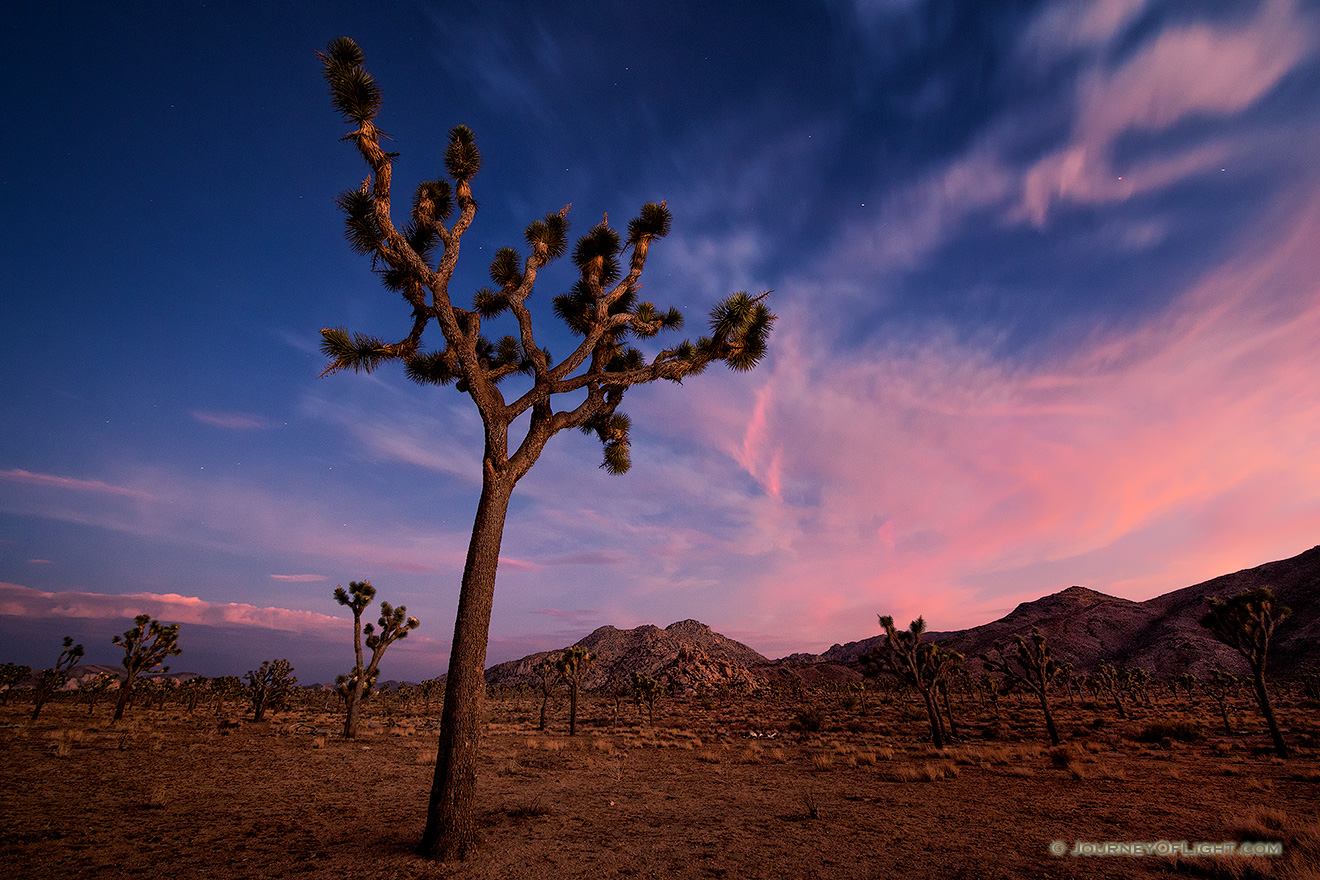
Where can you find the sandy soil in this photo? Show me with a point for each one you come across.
(695, 797)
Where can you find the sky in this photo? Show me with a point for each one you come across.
(1047, 277)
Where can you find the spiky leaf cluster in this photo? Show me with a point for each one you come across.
(148, 644)
(353, 91)
(1245, 622)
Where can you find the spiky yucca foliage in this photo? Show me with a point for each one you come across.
(1246, 622)
(222, 688)
(415, 256)
(145, 646)
(572, 665)
(269, 686)
(922, 665)
(394, 624)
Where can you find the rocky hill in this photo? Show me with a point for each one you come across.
(1161, 635)
(686, 655)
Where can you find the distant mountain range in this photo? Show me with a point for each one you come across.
(1161, 635)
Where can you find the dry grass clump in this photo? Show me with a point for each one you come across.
(822, 762)
(1298, 835)
(709, 756)
(927, 771)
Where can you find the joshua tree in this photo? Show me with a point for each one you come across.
(547, 676)
(1220, 686)
(1108, 678)
(572, 666)
(93, 688)
(145, 646)
(646, 690)
(417, 260)
(921, 664)
(394, 624)
(11, 676)
(269, 686)
(1246, 622)
(1030, 668)
(1136, 681)
(1186, 681)
(53, 679)
(224, 687)
(431, 688)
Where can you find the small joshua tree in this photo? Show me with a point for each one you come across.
(572, 666)
(1108, 678)
(94, 688)
(269, 686)
(52, 680)
(224, 687)
(1030, 668)
(11, 676)
(1186, 681)
(145, 646)
(921, 664)
(394, 625)
(1221, 686)
(646, 690)
(1246, 622)
(547, 676)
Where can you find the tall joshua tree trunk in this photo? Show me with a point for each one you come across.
(450, 826)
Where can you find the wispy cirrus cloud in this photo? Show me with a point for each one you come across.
(935, 476)
(298, 578)
(17, 475)
(233, 421)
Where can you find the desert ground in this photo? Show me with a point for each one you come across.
(726, 786)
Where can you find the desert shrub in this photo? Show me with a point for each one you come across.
(810, 719)
(1182, 731)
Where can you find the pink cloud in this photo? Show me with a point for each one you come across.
(23, 601)
(50, 481)
(298, 578)
(40, 562)
(232, 421)
(1184, 72)
(932, 477)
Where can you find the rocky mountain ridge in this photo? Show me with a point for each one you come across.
(1162, 635)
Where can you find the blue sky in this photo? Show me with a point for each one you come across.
(1046, 273)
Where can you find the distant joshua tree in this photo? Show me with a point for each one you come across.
(572, 666)
(547, 677)
(145, 646)
(269, 687)
(394, 624)
(92, 689)
(1221, 686)
(11, 676)
(1186, 681)
(224, 687)
(921, 664)
(53, 679)
(1246, 622)
(646, 690)
(1031, 668)
(1109, 679)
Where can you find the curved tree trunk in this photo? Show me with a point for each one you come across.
(1049, 719)
(450, 824)
(125, 692)
(936, 725)
(354, 700)
(1263, 698)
